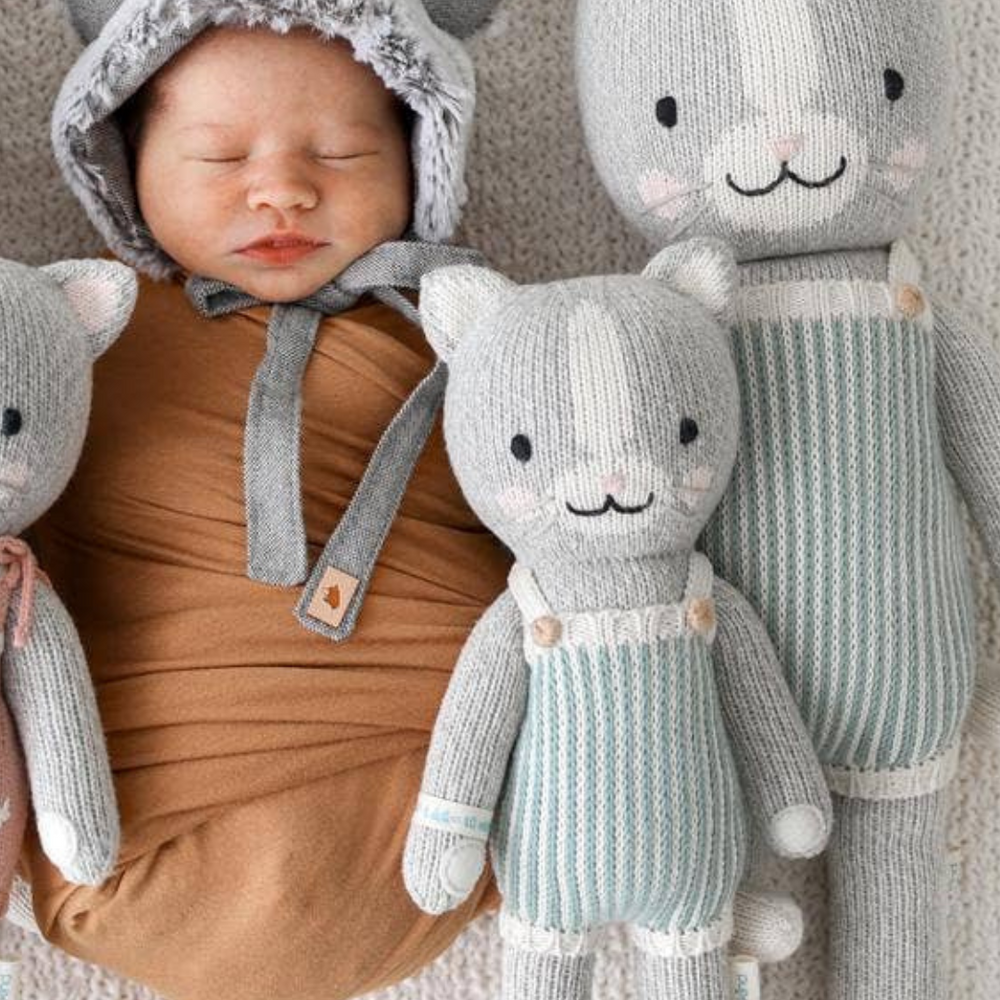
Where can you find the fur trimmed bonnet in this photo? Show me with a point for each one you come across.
(412, 45)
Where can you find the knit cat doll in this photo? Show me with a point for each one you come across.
(592, 425)
(54, 321)
(802, 131)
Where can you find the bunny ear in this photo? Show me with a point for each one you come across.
(704, 269)
(452, 299)
(90, 16)
(101, 294)
(460, 18)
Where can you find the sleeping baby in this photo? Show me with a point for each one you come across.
(282, 173)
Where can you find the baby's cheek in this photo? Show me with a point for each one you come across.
(519, 504)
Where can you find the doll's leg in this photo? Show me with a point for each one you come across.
(767, 925)
(694, 977)
(545, 965)
(888, 902)
(684, 965)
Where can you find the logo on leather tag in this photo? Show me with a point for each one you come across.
(333, 597)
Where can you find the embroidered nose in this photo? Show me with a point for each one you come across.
(787, 147)
(613, 484)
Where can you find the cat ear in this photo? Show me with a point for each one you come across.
(703, 269)
(453, 299)
(460, 18)
(102, 295)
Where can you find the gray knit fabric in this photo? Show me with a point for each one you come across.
(889, 898)
(54, 322)
(426, 67)
(529, 976)
(589, 695)
(702, 977)
(794, 128)
(276, 537)
(539, 212)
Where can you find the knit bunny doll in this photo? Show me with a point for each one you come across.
(617, 684)
(54, 321)
(802, 131)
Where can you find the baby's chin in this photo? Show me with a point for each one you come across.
(281, 284)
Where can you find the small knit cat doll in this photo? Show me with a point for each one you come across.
(54, 321)
(801, 131)
(612, 703)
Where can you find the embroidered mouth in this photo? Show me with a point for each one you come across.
(787, 174)
(611, 504)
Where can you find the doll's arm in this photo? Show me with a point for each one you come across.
(472, 741)
(51, 696)
(968, 403)
(782, 780)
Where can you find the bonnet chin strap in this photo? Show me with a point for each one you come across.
(277, 551)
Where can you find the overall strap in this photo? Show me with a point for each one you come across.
(701, 578)
(527, 594)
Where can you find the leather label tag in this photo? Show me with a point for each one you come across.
(333, 597)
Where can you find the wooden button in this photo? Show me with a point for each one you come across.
(546, 631)
(911, 302)
(701, 616)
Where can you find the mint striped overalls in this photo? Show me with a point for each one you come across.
(622, 802)
(842, 527)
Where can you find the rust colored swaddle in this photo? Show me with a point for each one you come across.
(265, 775)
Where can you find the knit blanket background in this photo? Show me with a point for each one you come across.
(538, 213)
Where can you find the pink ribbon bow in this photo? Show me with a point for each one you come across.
(21, 567)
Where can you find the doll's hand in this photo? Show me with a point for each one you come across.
(80, 862)
(441, 868)
(984, 718)
(798, 832)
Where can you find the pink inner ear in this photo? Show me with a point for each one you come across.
(663, 193)
(94, 301)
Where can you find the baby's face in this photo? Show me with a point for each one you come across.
(271, 161)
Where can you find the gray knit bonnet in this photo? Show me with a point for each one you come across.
(413, 46)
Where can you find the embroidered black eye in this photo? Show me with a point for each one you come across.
(666, 111)
(894, 84)
(520, 448)
(689, 431)
(11, 422)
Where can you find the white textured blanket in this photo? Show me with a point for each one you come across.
(538, 213)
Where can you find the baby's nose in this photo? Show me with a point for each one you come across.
(787, 147)
(613, 483)
(284, 189)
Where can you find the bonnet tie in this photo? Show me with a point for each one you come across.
(277, 551)
(21, 567)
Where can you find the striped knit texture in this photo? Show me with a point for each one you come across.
(888, 899)
(842, 528)
(703, 977)
(622, 801)
(529, 976)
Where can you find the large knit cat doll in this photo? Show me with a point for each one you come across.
(592, 425)
(54, 322)
(802, 132)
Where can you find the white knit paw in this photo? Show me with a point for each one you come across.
(441, 868)
(798, 832)
(461, 867)
(768, 926)
(60, 841)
